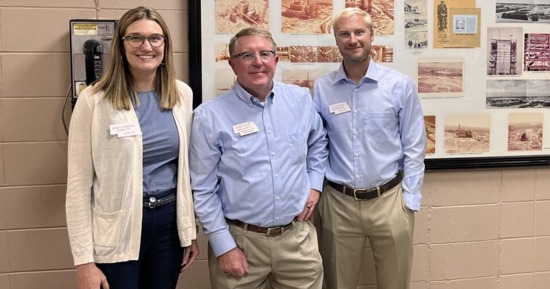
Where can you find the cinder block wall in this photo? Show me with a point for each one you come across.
(486, 229)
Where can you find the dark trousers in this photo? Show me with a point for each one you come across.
(160, 254)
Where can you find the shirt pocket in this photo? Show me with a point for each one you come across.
(380, 126)
(298, 147)
(107, 228)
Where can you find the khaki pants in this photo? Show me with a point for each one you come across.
(291, 260)
(347, 224)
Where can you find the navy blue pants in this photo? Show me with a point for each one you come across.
(160, 254)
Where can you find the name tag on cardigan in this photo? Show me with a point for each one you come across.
(125, 129)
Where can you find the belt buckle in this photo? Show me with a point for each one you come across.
(152, 202)
(273, 230)
(377, 189)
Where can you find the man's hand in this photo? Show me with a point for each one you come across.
(90, 277)
(311, 202)
(190, 255)
(233, 262)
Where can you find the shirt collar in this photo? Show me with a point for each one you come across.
(248, 98)
(372, 74)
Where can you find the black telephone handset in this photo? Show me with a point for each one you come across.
(92, 51)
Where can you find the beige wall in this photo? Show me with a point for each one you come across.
(478, 229)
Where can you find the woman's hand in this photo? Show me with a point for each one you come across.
(190, 255)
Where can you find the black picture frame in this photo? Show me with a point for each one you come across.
(195, 81)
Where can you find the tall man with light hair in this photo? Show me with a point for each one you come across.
(375, 171)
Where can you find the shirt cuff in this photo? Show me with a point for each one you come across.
(316, 181)
(222, 242)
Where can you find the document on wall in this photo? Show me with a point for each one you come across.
(465, 28)
(442, 22)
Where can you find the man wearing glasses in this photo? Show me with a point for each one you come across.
(258, 157)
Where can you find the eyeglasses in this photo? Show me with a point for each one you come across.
(249, 57)
(156, 40)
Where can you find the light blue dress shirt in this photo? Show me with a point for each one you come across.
(255, 162)
(375, 128)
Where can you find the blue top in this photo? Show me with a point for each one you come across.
(160, 145)
(252, 162)
(375, 128)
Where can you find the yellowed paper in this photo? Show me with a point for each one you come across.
(441, 22)
(464, 29)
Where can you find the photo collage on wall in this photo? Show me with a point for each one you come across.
(481, 67)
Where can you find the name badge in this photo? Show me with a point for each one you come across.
(245, 128)
(124, 129)
(339, 108)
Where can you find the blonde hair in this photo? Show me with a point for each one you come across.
(118, 83)
(348, 12)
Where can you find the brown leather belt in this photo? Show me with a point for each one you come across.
(269, 231)
(370, 193)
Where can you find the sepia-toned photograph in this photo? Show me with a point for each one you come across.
(234, 15)
(467, 134)
(303, 53)
(440, 77)
(429, 123)
(522, 11)
(416, 24)
(381, 11)
(328, 54)
(306, 17)
(518, 93)
(380, 53)
(225, 78)
(301, 77)
(283, 52)
(222, 52)
(525, 131)
(536, 52)
(503, 49)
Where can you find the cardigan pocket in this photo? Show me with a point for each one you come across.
(107, 228)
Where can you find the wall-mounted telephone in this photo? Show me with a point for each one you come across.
(90, 48)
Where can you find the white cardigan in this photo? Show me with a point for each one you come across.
(104, 202)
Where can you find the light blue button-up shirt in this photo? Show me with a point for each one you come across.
(255, 162)
(375, 128)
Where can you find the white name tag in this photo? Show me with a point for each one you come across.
(124, 129)
(339, 108)
(245, 128)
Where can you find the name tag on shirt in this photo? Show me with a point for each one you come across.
(124, 129)
(339, 108)
(245, 128)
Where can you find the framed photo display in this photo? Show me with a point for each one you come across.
(482, 68)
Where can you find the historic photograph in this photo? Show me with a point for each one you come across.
(467, 134)
(440, 77)
(301, 77)
(303, 53)
(504, 53)
(224, 80)
(429, 123)
(306, 17)
(416, 24)
(522, 11)
(234, 15)
(518, 93)
(537, 52)
(381, 11)
(525, 131)
(329, 54)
